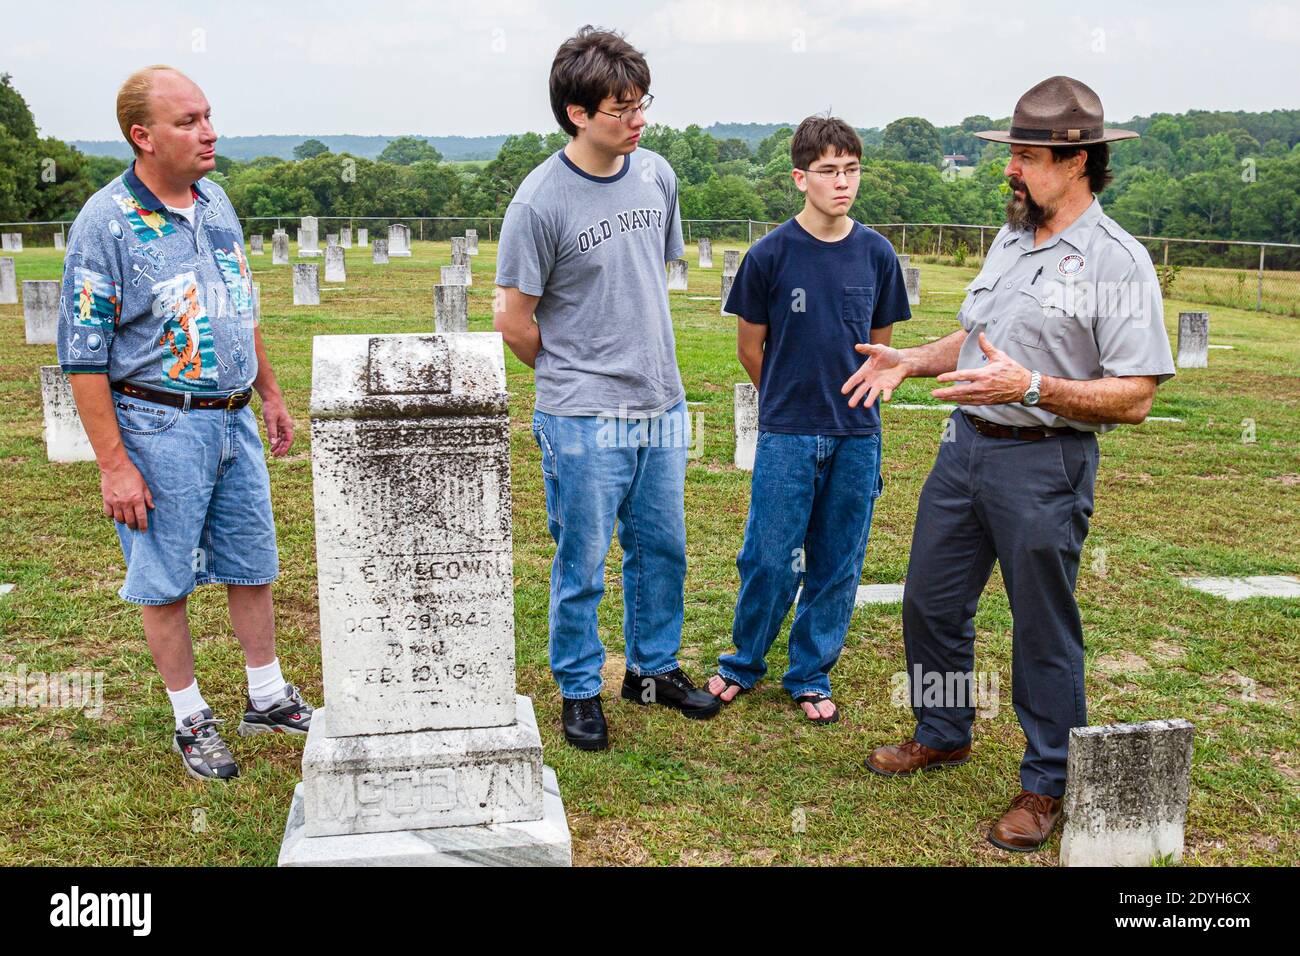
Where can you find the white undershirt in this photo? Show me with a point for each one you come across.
(187, 212)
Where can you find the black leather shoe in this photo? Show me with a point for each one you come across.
(673, 689)
(584, 724)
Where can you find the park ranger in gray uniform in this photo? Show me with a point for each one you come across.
(1062, 338)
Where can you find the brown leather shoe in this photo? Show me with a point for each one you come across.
(1027, 824)
(895, 759)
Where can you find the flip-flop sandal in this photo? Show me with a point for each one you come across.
(728, 682)
(815, 699)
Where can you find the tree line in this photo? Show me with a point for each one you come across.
(1199, 174)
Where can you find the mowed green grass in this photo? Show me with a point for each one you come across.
(757, 784)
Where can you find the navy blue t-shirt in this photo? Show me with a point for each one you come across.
(818, 299)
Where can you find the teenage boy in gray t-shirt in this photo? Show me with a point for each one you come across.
(582, 249)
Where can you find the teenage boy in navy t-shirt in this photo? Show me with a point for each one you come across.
(805, 294)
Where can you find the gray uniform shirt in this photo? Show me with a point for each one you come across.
(1084, 305)
(593, 248)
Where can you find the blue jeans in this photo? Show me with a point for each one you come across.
(599, 471)
(810, 507)
(211, 522)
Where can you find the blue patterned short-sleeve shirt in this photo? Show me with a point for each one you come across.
(150, 299)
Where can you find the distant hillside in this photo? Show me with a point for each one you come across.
(244, 148)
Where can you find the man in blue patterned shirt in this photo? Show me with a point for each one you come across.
(158, 336)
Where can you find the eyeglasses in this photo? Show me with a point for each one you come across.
(625, 116)
(829, 175)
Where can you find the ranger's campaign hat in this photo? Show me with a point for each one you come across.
(1060, 111)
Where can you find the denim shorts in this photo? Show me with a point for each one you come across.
(211, 522)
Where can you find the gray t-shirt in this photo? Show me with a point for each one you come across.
(593, 248)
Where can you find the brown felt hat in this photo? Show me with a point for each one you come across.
(1060, 111)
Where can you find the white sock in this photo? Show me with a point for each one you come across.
(186, 703)
(265, 684)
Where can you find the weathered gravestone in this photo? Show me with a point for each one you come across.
(309, 237)
(471, 241)
(8, 282)
(727, 281)
(706, 253)
(399, 241)
(11, 242)
(331, 239)
(912, 280)
(456, 275)
(746, 412)
(306, 283)
(65, 437)
(904, 262)
(363, 238)
(280, 249)
(1126, 793)
(450, 308)
(730, 262)
(345, 237)
(1193, 339)
(58, 240)
(379, 252)
(677, 275)
(459, 251)
(41, 310)
(255, 245)
(336, 269)
(423, 753)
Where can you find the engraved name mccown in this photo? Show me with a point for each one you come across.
(629, 221)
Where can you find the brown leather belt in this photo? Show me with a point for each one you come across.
(225, 403)
(1020, 433)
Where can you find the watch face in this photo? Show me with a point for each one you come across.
(1031, 398)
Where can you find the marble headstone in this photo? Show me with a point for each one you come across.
(309, 237)
(58, 240)
(450, 308)
(1193, 339)
(912, 279)
(331, 239)
(676, 275)
(456, 275)
(731, 261)
(363, 237)
(399, 241)
(379, 252)
(306, 283)
(280, 249)
(8, 281)
(255, 245)
(471, 241)
(65, 438)
(11, 242)
(41, 310)
(905, 262)
(706, 253)
(746, 411)
(727, 281)
(1126, 793)
(459, 251)
(336, 269)
(345, 237)
(422, 753)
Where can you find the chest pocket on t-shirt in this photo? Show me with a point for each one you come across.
(978, 291)
(859, 304)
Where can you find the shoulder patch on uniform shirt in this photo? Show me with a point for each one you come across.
(1070, 265)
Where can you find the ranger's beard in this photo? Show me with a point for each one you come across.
(1024, 214)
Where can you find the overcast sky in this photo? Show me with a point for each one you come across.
(476, 67)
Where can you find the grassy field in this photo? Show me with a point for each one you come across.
(758, 784)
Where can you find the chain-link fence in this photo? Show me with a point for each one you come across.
(423, 228)
(34, 235)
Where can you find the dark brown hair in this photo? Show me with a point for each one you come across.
(1096, 167)
(818, 133)
(592, 65)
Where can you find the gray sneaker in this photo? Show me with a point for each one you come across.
(289, 715)
(201, 748)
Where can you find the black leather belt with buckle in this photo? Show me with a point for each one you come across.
(1020, 433)
(225, 403)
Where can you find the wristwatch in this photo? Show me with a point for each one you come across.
(1031, 394)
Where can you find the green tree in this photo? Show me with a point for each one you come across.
(309, 149)
(406, 150)
(916, 139)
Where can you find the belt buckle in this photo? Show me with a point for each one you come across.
(230, 402)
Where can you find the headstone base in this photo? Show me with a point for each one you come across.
(398, 255)
(544, 842)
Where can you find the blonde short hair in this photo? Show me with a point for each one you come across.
(133, 99)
